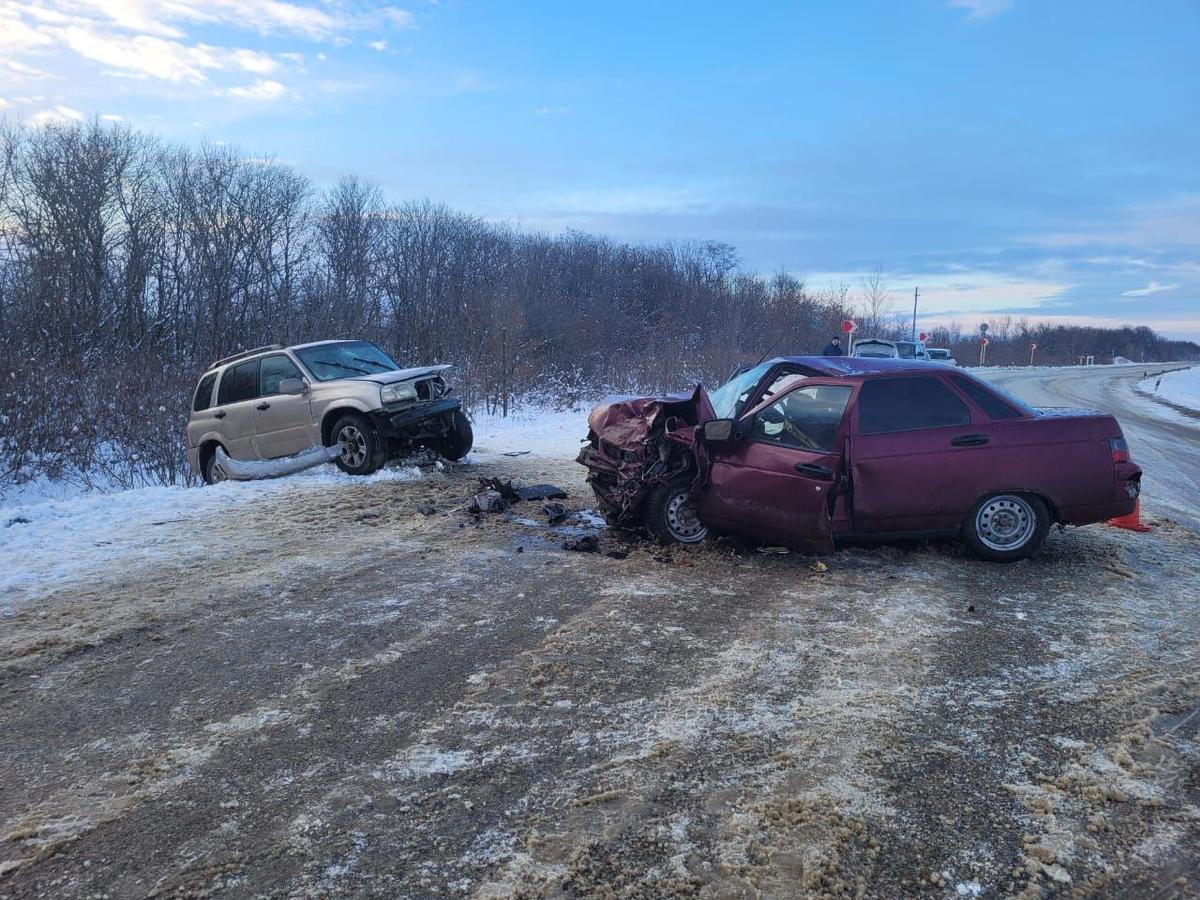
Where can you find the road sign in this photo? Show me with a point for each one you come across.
(849, 326)
(983, 327)
(923, 337)
(1033, 346)
(983, 342)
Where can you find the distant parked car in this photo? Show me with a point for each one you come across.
(878, 348)
(805, 450)
(939, 355)
(273, 402)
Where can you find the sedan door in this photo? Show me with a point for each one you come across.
(918, 456)
(778, 481)
(282, 422)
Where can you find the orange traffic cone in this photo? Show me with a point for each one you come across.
(1131, 522)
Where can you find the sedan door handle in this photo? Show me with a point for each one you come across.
(219, 415)
(263, 406)
(815, 471)
(969, 440)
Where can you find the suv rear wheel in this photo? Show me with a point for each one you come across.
(1006, 527)
(363, 451)
(213, 474)
(671, 513)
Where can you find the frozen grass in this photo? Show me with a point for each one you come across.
(1181, 388)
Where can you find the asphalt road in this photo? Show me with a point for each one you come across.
(1162, 439)
(362, 690)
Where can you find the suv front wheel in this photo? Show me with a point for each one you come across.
(363, 451)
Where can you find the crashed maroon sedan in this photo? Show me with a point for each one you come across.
(803, 451)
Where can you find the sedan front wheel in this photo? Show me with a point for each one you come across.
(671, 513)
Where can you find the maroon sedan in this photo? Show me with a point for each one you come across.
(802, 451)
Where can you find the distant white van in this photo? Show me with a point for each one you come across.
(940, 355)
(878, 348)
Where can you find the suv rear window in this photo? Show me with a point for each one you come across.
(908, 404)
(239, 382)
(203, 399)
(985, 399)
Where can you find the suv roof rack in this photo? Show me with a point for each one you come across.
(245, 353)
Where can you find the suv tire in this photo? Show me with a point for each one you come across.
(364, 450)
(458, 440)
(211, 474)
(1006, 527)
(671, 513)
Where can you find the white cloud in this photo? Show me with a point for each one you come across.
(981, 10)
(259, 91)
(1152, 288)
(379, 45)
(112, 117)
(59, 113)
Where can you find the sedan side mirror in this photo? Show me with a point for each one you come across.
(717, 430)
(293, 386)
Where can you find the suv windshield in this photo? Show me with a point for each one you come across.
(345, 359)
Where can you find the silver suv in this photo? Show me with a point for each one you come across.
(274, 402)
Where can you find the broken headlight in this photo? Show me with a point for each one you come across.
(397, 393)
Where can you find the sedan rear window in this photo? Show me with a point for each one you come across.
(983, 397)
(908, 404)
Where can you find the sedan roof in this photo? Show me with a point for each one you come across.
(851, 366)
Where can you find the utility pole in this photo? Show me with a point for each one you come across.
(916, 290)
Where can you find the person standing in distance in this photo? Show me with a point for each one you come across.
(833, 348)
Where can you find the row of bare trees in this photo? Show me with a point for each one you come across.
(127, 265)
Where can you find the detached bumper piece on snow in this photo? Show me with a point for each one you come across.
(255, 469)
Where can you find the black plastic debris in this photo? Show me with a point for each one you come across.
(16, 520)
(589, 543)
(489, 501)
(617, 554)
(556, 513)
(517, 453)
(541, 492)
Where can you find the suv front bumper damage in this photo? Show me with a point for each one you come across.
(422, 420)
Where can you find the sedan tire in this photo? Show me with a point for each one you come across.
(363, 451)
(1006, 527)
(671, 513)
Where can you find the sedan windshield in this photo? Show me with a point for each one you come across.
(728, 400)
(345, 359)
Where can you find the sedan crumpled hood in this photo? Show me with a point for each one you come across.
(625, 423)
(403, 374)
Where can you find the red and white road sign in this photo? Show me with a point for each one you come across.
(1033, 346)
(922, 337)
(983, 342)
(849, 326)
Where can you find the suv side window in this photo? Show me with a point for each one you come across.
(807, 418)
(272, 371)
(239, 382)
(908, 404)
(984, 399)
(204, 392)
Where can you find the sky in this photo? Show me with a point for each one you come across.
(1010, 157)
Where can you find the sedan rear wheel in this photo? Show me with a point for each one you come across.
(1007, 527)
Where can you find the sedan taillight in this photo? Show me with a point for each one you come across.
(1120, 450)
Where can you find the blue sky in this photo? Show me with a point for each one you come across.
(1010, 156)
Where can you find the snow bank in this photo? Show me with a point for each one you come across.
(48, 542)
(1181, 388)
(538, 431)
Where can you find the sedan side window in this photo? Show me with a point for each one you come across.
(239, 383)
(908, 404)
(273, 370)
(807, 418)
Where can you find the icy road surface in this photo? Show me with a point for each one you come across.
(331, 688)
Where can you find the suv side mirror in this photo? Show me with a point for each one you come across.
(717, 430)
(293, 386)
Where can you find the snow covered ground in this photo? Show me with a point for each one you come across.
(52, 533)
(1181, 388)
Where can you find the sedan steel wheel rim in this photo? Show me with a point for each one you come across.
(682, 521)
(1005, 523)
(354, 446)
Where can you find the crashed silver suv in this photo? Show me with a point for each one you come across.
(277, 402)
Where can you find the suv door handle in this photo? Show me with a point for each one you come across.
(813, 470)
(219, 415)
(263, 406)
(969, 440)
